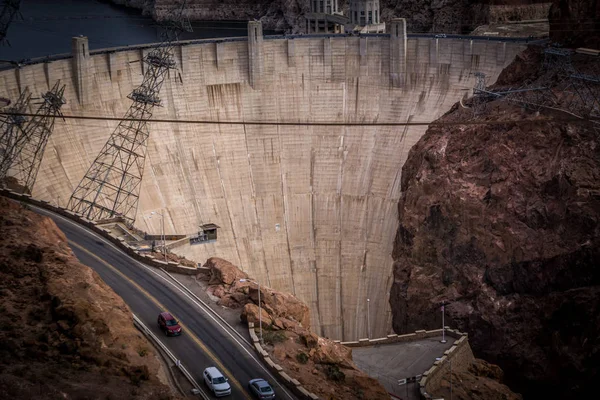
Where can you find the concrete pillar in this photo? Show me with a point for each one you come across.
(398, 52)
(81, 57)
(112, 66)
(291, 47)
(220, 53)
(327, 52)
(19, 76)
(255, 53)
(363, 51)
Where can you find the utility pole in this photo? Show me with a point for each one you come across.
(111, 186)
(443, 325)
(259, 308)
(162, 229)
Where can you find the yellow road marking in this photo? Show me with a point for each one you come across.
(155, 301)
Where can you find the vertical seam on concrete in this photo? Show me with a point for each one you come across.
(313, 263)
(339, 261)
(185, 170)
(237, 250)
(263, 266)
(341, 220)
(285, 213)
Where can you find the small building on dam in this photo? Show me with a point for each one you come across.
(305, 208)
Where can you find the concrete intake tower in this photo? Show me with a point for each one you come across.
(308, 209)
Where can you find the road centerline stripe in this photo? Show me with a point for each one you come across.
(157, 303)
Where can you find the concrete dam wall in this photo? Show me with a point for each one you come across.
(307, 209)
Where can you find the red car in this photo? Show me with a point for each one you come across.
(168, 324)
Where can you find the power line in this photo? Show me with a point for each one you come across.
(571, 119)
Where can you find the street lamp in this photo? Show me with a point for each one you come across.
(162, 228)
(259, 307)
(449, 362)
(369, 318)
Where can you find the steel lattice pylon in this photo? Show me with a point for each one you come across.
(28, 147)
(11, 129)
(111, 186)
(9, 10)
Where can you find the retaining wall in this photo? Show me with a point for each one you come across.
(118, 241)
(291, 383)
(409, 337)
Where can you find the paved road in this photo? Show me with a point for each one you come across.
(147, 292)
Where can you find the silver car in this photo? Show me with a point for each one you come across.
(261, 389)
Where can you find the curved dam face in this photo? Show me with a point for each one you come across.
(311, 210)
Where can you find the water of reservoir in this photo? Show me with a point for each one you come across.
(47, 27)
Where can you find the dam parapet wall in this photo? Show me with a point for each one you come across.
(308, 209)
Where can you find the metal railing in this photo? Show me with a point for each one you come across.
(144, 329)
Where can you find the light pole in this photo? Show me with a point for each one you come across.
(369, 318)
(259, 308)
(443, 326)
(162, 229)
(449, 362)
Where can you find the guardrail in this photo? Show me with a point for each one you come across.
(118, 241)
(293, 384)
(144, 329)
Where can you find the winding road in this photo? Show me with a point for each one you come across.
(147, 291)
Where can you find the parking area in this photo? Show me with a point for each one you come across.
(391, 362)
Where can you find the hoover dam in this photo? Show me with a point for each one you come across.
(305, 208)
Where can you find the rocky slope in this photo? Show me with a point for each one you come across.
(450, 16)
(322, 366)
(481, 380)
(575, 22)
(64, 333)
(502, 222)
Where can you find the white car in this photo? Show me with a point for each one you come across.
(214, 379)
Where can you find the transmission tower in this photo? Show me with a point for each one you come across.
(480, 95)
(579, 92)
(11, 127)
(28, 146)
(10, 8)
(111, 186)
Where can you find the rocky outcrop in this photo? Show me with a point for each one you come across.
(450, 16)
(321, 365)
(64, 333)
(281, 310)
(480, 380)
(502, 222)
(222, 272)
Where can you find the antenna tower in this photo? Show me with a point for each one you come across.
(111, 186)
(27, 147)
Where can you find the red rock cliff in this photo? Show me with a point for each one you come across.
(502, 222)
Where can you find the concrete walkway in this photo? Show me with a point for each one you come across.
(390, 362)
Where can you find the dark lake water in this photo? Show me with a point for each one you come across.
(48, 26)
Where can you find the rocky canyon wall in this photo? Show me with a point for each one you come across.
(502, 223)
